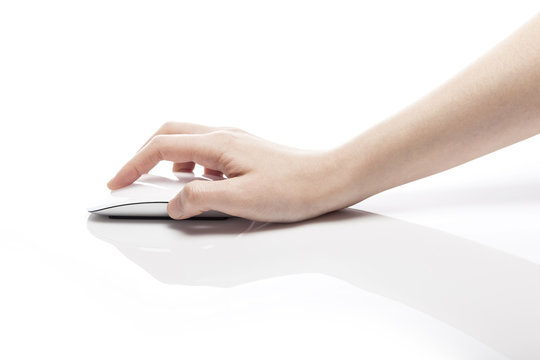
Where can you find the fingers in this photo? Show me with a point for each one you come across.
(213, 173)
(189, 166)
(199, 196)
(204, 149)
(170, 128)
(184, 166)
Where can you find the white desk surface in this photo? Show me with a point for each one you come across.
(416, 273)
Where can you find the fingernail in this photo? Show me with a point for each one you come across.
(175, 210)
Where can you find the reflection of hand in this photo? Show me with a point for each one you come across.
(264, 181)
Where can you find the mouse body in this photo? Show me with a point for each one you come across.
(148, 198)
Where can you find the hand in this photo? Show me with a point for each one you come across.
(263, 181)
(493, 103)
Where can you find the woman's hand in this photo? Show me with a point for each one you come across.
(263, 181)
(493, 103)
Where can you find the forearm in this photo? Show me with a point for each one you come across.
(493, 103)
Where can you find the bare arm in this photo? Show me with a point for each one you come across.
(493, 103)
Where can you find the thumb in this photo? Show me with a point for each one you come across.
(199, 196)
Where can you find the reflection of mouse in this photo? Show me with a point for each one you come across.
(491, 295)
(148, 197)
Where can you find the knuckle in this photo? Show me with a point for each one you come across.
(135, 169)
(225, 137)
(167, 126)
(191, 192)
(233, 129)
(156, 148)
(219, 135)
(157, 140)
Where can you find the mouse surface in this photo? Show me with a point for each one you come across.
(148, 197)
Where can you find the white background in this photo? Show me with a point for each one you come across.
(84, 83)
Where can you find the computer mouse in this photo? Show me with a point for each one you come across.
(148, 197)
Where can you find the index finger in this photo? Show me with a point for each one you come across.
(170, 128)
(200, 148)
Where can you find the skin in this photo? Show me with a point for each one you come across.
(491, 104)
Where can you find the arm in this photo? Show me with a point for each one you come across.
(493, 103)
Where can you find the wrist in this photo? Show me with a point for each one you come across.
(349, 180)
(337, 181)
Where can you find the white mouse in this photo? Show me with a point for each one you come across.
(148, 197)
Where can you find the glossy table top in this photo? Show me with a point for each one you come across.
(351, 283)
(444, 268)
